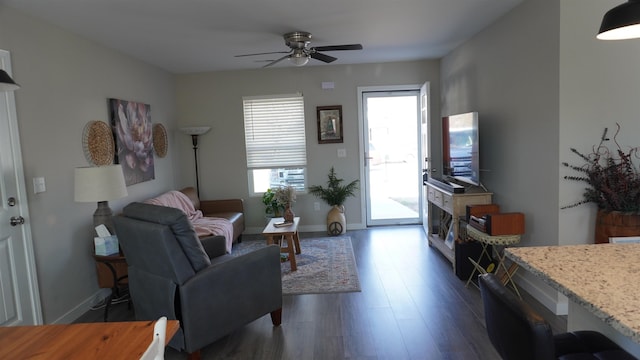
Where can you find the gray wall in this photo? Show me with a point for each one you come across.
(538, 78)
(509, 73)
(599, 83)
(215, 99)
(66, 81)
(542, 84)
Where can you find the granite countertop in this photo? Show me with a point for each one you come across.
(603, 278)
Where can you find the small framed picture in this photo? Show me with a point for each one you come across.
(330, 124)
(449, 240)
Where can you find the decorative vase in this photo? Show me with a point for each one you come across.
(336, 221)
(288, 214)
(616, 223)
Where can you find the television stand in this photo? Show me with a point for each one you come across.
(453, 206)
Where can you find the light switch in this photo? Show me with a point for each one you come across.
(342, 153)
(39, 185)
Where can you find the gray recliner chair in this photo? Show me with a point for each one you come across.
(174, 274)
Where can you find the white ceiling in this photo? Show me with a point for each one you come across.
(186, 36)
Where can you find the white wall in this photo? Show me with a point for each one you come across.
(215, 99)
(509, 73)
(66, 81)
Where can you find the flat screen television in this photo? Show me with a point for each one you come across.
(460, 144)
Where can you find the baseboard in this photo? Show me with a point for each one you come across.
(83, 307)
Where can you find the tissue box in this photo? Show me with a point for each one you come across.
(106, 246)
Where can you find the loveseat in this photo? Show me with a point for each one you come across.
(208, 217)
(230, 209)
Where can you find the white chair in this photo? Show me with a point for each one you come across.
(155, 351)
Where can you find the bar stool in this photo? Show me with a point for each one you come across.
(502, 241)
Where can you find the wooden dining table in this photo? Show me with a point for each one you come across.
(106, 340)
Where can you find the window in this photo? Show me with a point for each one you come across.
(275, 140)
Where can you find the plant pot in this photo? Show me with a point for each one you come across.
(616, 223)
(336, 221)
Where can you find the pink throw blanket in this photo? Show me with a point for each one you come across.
(203, 225)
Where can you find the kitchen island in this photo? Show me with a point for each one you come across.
(602, 282)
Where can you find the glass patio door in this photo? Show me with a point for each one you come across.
(393, 169)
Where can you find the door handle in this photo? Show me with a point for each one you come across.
(16, 220)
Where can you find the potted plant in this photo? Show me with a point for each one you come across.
(272, 207)
(335, 194)
(613, 185)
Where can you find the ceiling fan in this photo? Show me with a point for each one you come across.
(300, 52)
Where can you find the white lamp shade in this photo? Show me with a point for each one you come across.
(99, 183)
(195, 130)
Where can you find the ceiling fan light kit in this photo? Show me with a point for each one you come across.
(622, 22)
(299, 58)
(301, 52)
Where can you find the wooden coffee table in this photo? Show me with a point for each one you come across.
(279, 234)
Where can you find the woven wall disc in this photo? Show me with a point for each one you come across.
(97, 143)
(160, 142)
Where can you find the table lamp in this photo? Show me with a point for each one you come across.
(100, 184)
(194, 132)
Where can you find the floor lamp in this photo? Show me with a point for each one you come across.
(195, 132)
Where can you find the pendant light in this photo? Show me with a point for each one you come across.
(622, 22)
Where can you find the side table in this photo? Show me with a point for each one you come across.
(496, 241)
(289, 233)
(118, 279)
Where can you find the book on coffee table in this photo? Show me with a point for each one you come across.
(282, 224)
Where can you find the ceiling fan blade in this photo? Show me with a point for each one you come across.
(323, 57)
(264, 53)
(276, 61)
(339, 47)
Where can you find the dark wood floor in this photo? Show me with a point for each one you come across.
(412, 306)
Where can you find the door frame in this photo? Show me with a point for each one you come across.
(31, 307)
(361, 139)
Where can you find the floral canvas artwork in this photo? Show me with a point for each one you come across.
(133, 131)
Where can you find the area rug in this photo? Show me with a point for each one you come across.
(326, 265)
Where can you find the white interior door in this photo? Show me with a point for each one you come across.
(425, 126)
(19, 296)
(393, 178)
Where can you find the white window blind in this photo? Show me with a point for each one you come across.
(274, 131)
